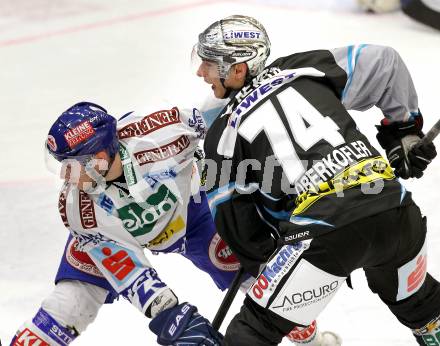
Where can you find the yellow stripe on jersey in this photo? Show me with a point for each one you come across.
(364, 172)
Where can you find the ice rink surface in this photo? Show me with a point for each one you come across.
(131, 55)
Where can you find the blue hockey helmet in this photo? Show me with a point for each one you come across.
(82, 130)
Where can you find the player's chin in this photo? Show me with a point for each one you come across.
(219, 92)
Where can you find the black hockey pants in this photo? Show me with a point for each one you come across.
(297, 283)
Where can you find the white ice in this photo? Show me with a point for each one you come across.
(128, 55)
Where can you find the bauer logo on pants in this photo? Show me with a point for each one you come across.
(306, 293)
(221, 255)
(412, 275)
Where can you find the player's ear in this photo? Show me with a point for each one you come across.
(239, 71)
(102, 155)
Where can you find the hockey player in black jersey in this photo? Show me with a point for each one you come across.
(300, 189)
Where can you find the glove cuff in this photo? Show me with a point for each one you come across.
(389, 132)
(170, 323)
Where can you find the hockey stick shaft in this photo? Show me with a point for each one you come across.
(228, 299)
(431, 134)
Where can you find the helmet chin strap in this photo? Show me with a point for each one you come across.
(99, 182)
(228, 90)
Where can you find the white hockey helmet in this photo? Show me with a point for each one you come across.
(232, 40)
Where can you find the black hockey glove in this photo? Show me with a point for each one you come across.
(401, 143)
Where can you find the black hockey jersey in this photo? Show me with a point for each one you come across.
(289, 161)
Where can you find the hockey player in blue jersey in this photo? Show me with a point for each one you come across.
(130, 184)
(152, 160)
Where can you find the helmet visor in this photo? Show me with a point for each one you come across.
(208, 64)
(85, 171)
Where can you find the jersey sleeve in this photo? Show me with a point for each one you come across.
(377, 76)
(127, 270)
(116, 253)
(232, 200)
(241, 226)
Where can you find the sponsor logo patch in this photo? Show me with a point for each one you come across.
(150, 123)
(121, 263)
(27, 338)
(175, 324)
(51, 142)
(221, 255)
(174, 227)
(240, 34)
(129, 173)
(87, 241)
(79, 134)
(61, 335)
(241, 54)
(306, 293)
(80, 260)
(303, 335)
(197, 123)
(267, 282)
(412, 275)
(416, 278)
(152, 178)
(138, 220)
(144, 288)
(62, 207)
(106, 203)
(87, 211)
(163, 152)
